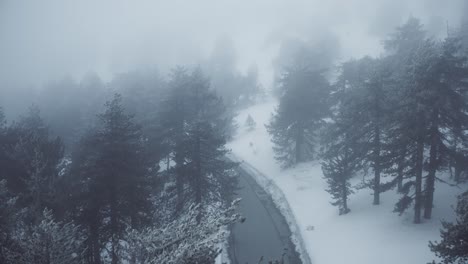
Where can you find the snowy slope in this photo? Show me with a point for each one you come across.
(368, 235)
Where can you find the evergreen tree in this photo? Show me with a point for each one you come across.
(299, 116)
(210, 174)
(365, 81)
(250, 123)
(184, 240)
(342, 154)
(3, 143)
(114, 181)
(408, 49)
(196, 130)
(174, 116)
(447, 107)
(2, 120)
(453, 248)
(432, 106)
(10, 250)
(339, 165)
(30, 162)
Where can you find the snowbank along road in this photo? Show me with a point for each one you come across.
(264, 235)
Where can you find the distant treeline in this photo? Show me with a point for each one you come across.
(141, 178)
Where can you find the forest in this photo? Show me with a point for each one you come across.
(136, 168)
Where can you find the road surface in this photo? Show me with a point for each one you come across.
(265, 232)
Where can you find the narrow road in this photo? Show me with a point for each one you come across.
(265, 232)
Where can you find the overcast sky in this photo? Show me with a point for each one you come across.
(46, 39)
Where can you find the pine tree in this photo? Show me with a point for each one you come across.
(174, 116)
(250, 123)
(341, 153)
(30, 164)
(184, 240)
(447, 107)
(210, 174)
(432, 105)
(453, 248)
(408, 49)
(2, 120)
(365, 81)
(86, 199)
(196, 125)
(299, 116)
(3, 143)
(338, 166)
(10, 250)
(114, 181)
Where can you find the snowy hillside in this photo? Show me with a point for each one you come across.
(369, 234)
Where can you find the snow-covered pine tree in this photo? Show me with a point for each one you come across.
(299, 115)
(250, 123)
(51, 242)
(453, 248)
(184, 240)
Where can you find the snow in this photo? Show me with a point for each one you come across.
(223, 257)
(368, 234)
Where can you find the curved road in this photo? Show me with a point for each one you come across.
(265, 233)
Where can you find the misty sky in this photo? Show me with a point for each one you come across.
(47, 39)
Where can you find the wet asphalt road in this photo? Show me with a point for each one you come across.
(265, 232)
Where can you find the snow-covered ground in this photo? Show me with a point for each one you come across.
(368, 235)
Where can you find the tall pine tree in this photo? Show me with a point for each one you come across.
(303, 105)
(342, 152)
(114, 181)
(196, 124)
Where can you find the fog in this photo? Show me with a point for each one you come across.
(46, 40)
(233, 131)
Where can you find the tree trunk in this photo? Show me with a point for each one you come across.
(458, 171)
(113, 228)
(430, 181)
(400, 168)
(198, 172)
(299, 143)
(168, 162)
(95, 257)
(460, 164)
(418, 187)
(343, 182)
(376, 143)
(179, 177)
(345, 197)
(377, 166)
